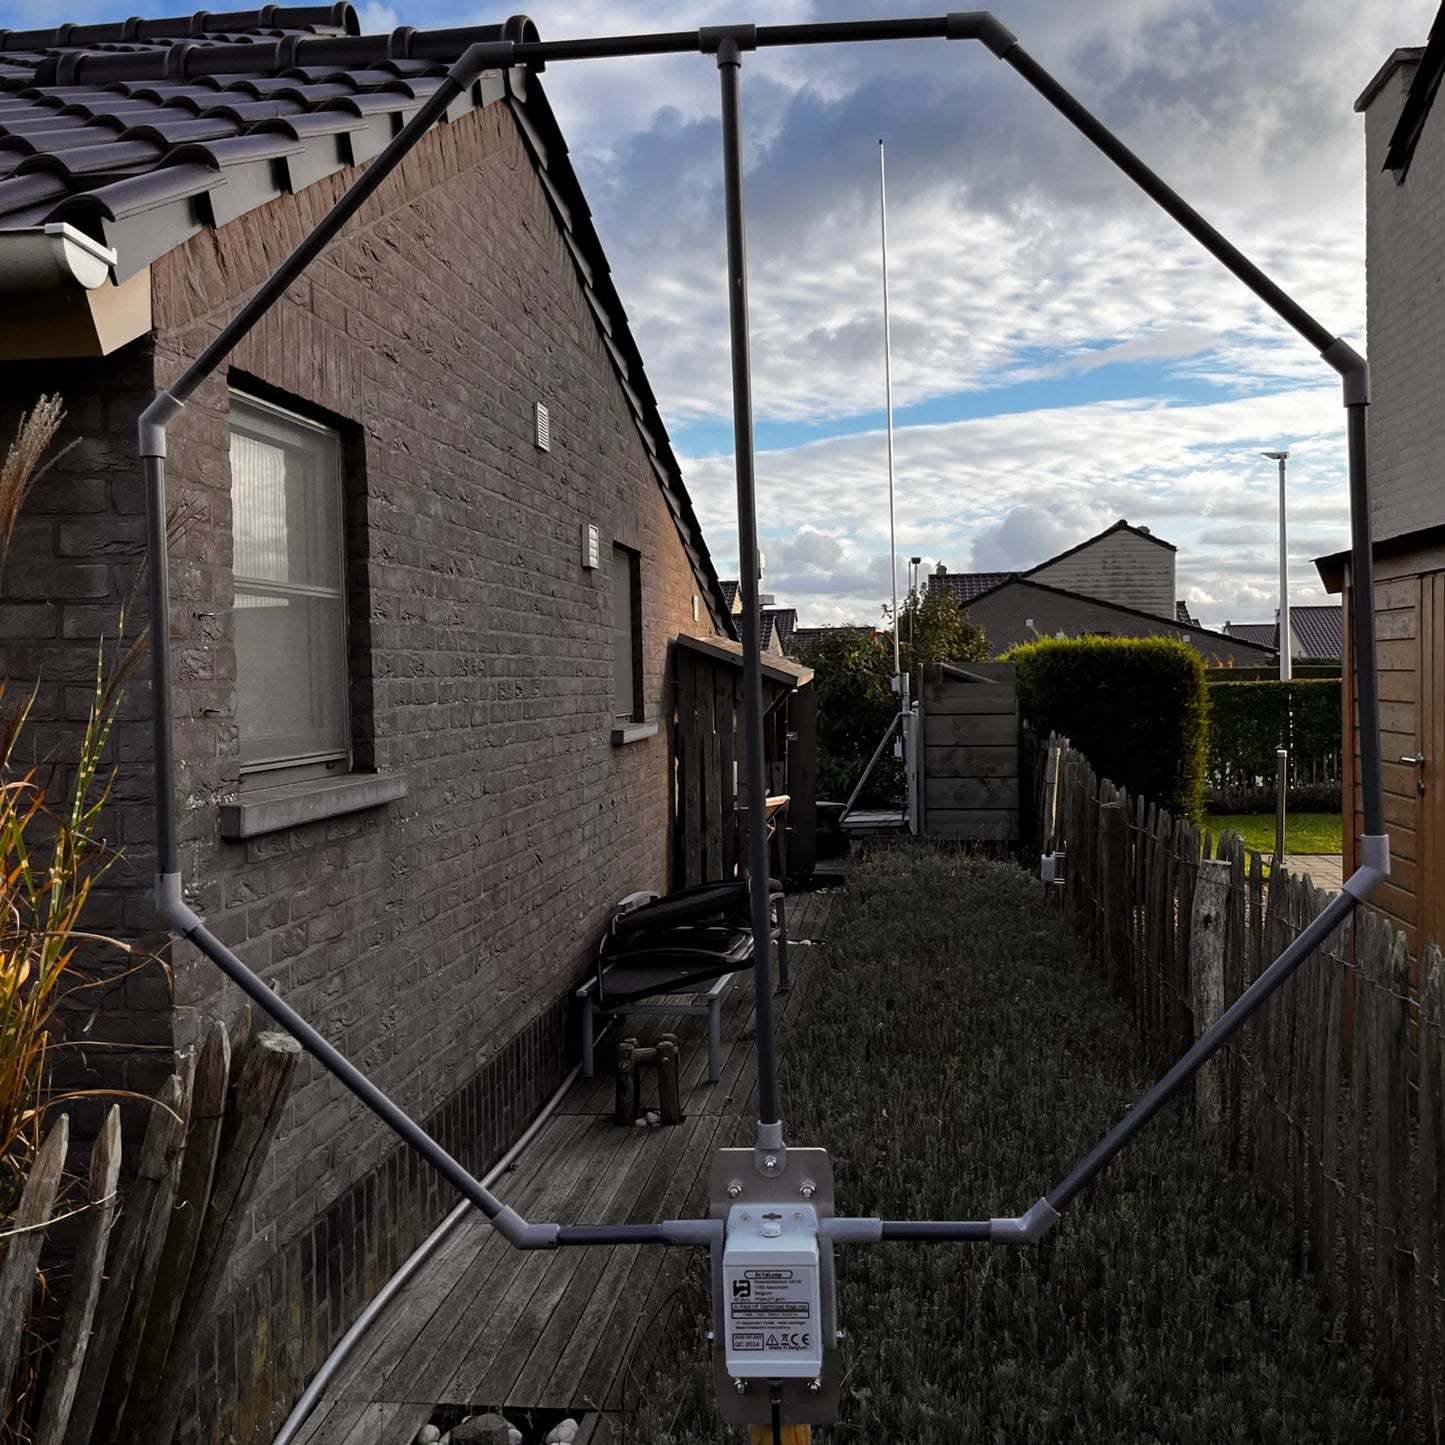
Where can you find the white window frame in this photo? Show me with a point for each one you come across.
(273, 761)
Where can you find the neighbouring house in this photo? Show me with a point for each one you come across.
(804, 637)
(776, 624)
(1120, 583)
(1315, 632)
(1404, 256)
(435, 562)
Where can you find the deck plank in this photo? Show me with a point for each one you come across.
(390, 1337)
(485, 1326)
(471, 1315)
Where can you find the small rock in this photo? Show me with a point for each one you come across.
(446, 1439)
(640, 1123)
(563, 1434)
(653, 1117)
(428, 1435)
(514, 1436)
(488, 1429)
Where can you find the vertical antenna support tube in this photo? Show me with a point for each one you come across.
(729, 64)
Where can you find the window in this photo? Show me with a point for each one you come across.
(291, 670)
(627, 633)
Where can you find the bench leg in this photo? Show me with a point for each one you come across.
(714, 1040)
(782, 947)
(587, 1040)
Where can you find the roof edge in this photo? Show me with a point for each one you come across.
(1173, 622)
(1404, 55)
(1122, 525)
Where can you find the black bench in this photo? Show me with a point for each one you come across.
(687, 943)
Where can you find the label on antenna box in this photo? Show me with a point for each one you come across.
(771, 1292)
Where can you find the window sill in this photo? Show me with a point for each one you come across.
(633, 732)
(268, 810)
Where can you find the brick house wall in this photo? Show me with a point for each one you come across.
(68, 578)
(1120, 567)
(1016, 612)
(435, 940)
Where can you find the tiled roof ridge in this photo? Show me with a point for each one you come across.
(335, 19)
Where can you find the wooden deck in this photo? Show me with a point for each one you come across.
(544, 1335)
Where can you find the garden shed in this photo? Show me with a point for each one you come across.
(710, 829)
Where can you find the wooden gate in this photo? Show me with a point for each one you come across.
(971, 752)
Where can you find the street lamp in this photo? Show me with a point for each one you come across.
(913, 565)
(1283, 637)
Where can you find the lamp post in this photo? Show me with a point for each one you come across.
(1285, 672)
(914, 563)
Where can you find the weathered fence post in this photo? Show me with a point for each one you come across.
(1207, 929)
(1114, 894)
(27, 1234)
(87, 1276)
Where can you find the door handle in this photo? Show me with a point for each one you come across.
(1418, 761)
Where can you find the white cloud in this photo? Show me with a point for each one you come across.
(376, 18)
(1020, 257)
(1006, 492)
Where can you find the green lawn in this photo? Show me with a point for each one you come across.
(1303, 832)
(957, 1057)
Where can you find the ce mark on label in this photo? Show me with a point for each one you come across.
(789, 1342)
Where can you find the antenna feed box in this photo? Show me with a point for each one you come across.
(772, 1292)
(775, 1307)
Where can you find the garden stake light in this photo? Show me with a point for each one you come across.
(771, 1225)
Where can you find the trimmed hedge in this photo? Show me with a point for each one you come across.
(1214, 676)
(1136, 707)
(1248, 720)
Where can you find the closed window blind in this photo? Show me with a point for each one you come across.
(288, 566)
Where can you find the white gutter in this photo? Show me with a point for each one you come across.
(53, 257)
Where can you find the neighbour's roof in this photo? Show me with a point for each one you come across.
(780, 622)
(1014, 580)
(730, 589)
(1122, 525)
(1183, 614)
(141, 133)
(965, 586)
(1318, 631)
(807, 636)
(1260, 634)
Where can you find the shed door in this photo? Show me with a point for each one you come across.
(1431, 735)
(1401, 653)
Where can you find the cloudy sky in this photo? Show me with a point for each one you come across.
(1062, 355)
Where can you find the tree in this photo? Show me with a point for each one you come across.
(933, 628)
(853, 673)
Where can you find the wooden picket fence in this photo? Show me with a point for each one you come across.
(1332, 1097)
(150, 1259)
